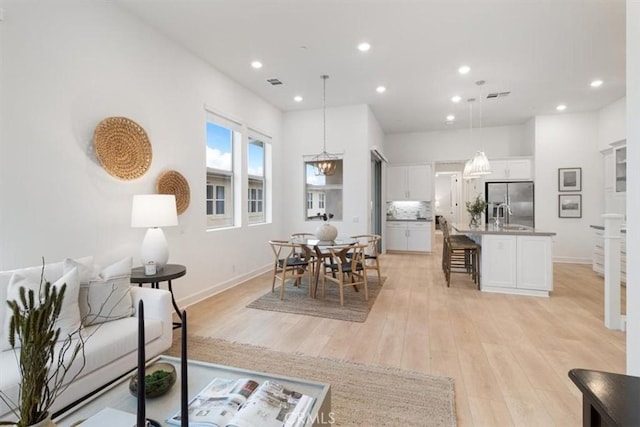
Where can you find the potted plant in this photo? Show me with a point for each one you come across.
(476, 208)
(42, 368)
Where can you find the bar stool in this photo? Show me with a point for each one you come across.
(460, 254)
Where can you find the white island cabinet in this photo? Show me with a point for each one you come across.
(514, 261)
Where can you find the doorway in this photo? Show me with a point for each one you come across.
(376, 196)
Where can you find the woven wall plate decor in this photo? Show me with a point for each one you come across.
(123, 148)
(172, 182)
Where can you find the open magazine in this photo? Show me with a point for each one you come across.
(245, 403)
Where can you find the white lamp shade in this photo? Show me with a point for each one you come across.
(154, 210)
(467, 171)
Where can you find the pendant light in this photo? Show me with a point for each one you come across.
(324, 163)
(480, 164)
(466, 173)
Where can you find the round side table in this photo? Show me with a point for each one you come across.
(167, 274)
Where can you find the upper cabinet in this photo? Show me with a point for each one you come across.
(620, 158)
(409, 183)
(511, 169)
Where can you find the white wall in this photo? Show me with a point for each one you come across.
(68, 65)
(348, 133)
(451, 145)
(633, 178)
(567, 141)
(612, 124)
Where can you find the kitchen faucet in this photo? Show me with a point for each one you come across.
(503, 210)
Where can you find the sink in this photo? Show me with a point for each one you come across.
(516, 227)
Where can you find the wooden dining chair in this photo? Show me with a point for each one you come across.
(371, 253)
(289, 265)
(348, 265)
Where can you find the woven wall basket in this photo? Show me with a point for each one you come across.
(122, 147)
(172, 182)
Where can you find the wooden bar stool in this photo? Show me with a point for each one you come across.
(460, 254)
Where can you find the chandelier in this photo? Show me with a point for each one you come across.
(324, 163)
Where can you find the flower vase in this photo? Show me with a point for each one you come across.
(475, 220)
(326, 231)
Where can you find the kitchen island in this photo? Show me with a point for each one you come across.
(514, 259)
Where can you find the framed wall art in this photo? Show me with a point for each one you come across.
(570, 205)
(570, 179)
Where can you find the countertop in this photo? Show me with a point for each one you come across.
(409, 220)
(491, 229)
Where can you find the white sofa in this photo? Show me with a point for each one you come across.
(110, 348)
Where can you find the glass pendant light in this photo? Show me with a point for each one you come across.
(480, 163)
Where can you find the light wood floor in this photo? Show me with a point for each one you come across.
(509, 355)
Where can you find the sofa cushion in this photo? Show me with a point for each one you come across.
(107, 297)
(85, 266)
(69, 319)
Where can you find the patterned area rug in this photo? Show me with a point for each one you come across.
(361, 395)
(296, 300)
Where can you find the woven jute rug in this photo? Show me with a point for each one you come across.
(360, 395)
(296, 300)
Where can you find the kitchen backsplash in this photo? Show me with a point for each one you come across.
(409, 210)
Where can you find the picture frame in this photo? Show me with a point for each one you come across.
(570, 179)
(570, 205)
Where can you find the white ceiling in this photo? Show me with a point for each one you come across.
(545, 52)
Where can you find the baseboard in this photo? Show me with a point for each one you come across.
(220, 287)
(572, 260)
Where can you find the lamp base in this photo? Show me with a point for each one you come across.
(155, 248)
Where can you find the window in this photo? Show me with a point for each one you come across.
(255, 180)
(325, 192)
(219, 200)
(221, 139)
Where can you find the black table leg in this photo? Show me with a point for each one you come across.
(175, 307)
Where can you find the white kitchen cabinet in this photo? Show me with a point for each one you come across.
(409, 183)
(498, 263)
(419, 236)
(620, 161)
(396, 238)
(511, 169)
(518, 264)
(408, 236)
(598, 253)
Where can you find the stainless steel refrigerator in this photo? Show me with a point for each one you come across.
(518, 196)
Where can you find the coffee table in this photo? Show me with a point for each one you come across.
(117, 395)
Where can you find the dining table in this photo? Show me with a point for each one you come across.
(320, 249)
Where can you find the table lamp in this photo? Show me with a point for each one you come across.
(153, 211)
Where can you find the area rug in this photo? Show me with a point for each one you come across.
(296, 300)
(361, 395)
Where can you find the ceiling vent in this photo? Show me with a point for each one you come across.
(497, 95)
(274, 82)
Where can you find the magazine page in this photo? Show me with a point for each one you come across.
(217, 403)
(273, 405)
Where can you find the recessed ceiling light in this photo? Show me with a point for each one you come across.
(256, 64)
(364, 46)
(596, 83)
(451, 118)
(561, 107)
(456, 98)
(297, 98)
(464, 69)
(381, 89)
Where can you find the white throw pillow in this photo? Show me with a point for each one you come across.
(85, 268)
(107, 297)
(69, 319)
